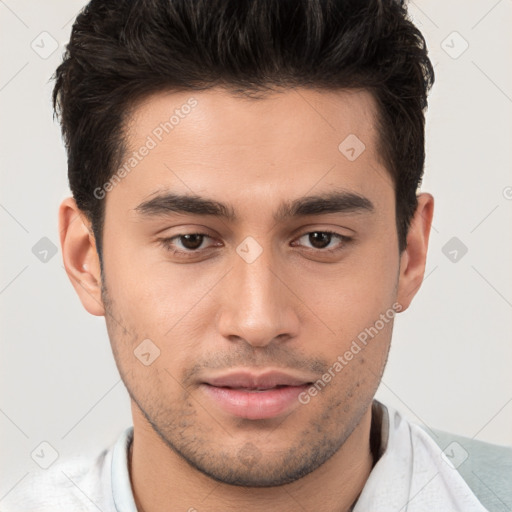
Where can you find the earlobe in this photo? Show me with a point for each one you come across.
(80, 257)
(413, 258)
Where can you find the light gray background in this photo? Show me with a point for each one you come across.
(450, 362)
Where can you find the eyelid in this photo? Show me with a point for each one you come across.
(344, 239)
(166, 242)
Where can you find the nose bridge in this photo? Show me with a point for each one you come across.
(257, 282)
(258, 309)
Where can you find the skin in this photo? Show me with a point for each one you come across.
(293, 308)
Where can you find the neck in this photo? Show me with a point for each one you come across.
(162, 480)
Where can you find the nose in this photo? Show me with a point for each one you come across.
(257, 303)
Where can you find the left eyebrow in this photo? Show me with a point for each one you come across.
(329, 202)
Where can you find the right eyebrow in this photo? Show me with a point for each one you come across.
(183, 203)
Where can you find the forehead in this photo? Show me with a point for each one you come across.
(289, 116)
(216, 143)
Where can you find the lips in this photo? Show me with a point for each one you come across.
(251, 381)
(255, 396)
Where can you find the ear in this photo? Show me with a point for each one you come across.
(413, 258)
(80, 257)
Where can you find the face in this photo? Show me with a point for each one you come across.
(251, 324)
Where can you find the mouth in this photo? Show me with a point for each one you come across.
(250, 390)
(255, 396)
(261, 381)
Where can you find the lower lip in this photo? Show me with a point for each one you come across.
(255, 405)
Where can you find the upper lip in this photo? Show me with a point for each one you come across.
(251, 380)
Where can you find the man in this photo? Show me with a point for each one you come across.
(246, 216)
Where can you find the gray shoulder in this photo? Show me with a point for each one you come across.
(74, 484)
(486, 467)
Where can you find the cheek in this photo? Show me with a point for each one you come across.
(164, 302)
(351, 297)
(148, 290)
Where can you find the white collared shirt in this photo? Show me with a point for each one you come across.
(411, 475)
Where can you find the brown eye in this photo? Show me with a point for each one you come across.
(191, 242)
(321, 241)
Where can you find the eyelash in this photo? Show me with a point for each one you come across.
(167, 243)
